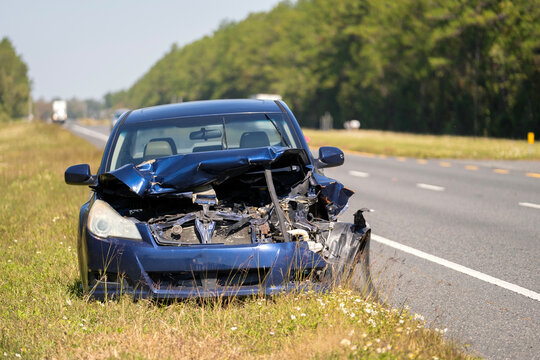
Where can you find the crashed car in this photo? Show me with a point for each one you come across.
(215, 198)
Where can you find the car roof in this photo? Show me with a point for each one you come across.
(202, 108)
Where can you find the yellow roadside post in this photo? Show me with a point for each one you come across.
(530, 139)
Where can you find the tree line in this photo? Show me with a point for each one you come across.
(425, 66)
(14, 83)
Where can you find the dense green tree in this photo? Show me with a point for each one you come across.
(14, 83)
(428, 66)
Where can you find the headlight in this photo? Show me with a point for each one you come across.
(104, 221)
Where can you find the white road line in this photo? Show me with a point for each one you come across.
(430, 187)
(531, 205)
(358, 173)
(462, 269)
(89, 132)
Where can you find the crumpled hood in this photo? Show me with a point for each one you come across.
(183, 173)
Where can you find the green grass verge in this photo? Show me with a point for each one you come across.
(424, 146)
(42, 315)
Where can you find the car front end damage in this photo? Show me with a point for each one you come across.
(220, 223)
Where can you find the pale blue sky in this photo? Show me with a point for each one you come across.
(86, 48)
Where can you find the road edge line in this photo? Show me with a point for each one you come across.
(94, 134)
(459, 268)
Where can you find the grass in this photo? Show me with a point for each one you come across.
(43, 315)
(424, 146)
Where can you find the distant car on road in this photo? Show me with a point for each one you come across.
(117, 114)
(215, 198)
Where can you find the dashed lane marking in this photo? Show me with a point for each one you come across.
(534, 175)
(401, 158)
(459, 268)
(359, 173)
(500, 171)
(445, 164)
(430, 187)
(92, 133)
(471, 167)
(531, 205)
(421, 161)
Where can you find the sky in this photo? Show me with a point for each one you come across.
(85, 49)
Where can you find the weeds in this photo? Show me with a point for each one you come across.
(44, 315)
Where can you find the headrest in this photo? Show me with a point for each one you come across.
(254, 139)
(158, 148)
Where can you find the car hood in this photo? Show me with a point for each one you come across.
(180, 175)
(183, 173)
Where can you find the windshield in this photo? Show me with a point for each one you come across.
(141, 142)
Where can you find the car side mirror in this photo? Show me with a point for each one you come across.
(330, 156)
(79, 175)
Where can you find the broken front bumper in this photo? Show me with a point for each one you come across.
(145, 269)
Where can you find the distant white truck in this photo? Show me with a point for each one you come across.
(59, 111)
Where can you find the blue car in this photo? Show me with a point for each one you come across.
(215, 198)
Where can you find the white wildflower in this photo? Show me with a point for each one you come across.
(293, 317)
(233, 328)
(345, 342)
(302, 314)
(68, 301)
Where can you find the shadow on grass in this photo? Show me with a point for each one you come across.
(75, 289)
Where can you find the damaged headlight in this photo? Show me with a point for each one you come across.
(104, 221)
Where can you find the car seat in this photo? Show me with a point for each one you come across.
(159, 147)
(252, 139)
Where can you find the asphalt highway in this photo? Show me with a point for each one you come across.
(455, 241)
